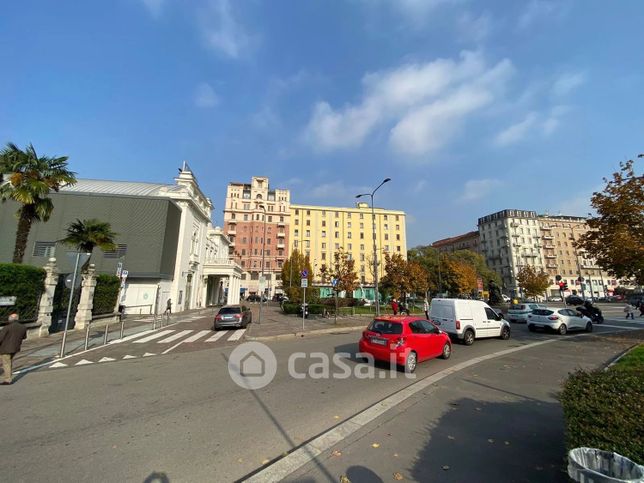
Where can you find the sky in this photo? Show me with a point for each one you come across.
(469, 107)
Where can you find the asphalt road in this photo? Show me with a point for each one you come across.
(179, 416)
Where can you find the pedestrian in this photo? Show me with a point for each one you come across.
(426, 308)
(394, 306)
(402, 308)
(629, 310)
(641, 308)
(168, 307)
(11, 338)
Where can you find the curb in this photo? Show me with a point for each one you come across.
(293, 335)
(620, 356)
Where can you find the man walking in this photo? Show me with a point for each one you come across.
(168, 307)
(11, 338)
(426, 308)
(394, 306)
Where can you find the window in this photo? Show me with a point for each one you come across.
(308, 222)
(337, 215)
(270, 218)
(396, 220)
(243, 251)
(349, 235)
(397, 248)
(362, 247)
(490, 314)
(281, 218)
(245, 217)
(349, 224)
(362, 216)
(268, 241)
(268, 252)
(297, 221)
(307, 243)
(337, 246)
(385, 217)
(323, 246)
(386, 236)
(48, 249)
(349, 247)
(255, 251)
(362, 257)
(386, 226)
(323, 256)
(362, 226)
(397, 226)
(323, 222)
(323, 234)
(362, 236)
(337, 224)
(297, 212)
(121, 250)
(308, 233)
(296, 233)
(294, 243)
(337, 234)
(397, 237)
(308, 212)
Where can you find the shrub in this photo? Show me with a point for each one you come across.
(290, 309)
(603, 411)
(105, 294)
(295, 309)
(27, 284)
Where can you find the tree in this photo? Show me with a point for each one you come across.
(85, 235)
(403, 276)
(459, 277)
(291, 275)
(343, 270)
(532, 282)
(30, 179)
(477, 261)
(616, 235)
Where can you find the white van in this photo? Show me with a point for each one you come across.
(468, 319)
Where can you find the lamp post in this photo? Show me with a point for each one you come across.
(261, 279)
(375, 249)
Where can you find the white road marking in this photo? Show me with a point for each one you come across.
(176, 336)
(133, 336)
(237, 335)
(148, 354)
(106, 359)
(154, 336)
(217, 336)
(197, 336)
(173, 347)
(617, 327)
(129, 357)
(57, 364)
(83, 362)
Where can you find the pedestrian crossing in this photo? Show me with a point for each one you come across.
(185, 336)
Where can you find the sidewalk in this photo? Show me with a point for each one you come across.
(499, 420)
(46, 349)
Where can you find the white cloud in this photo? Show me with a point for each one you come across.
(553, 120)
(419, 186)
(568, 82)
(476, 189)
(536, 11)
(205, 96)
(154, 6)
(336, 190)
(426, 103)
(474, 28)
(221, 31)
(266, 119)
(516, 132)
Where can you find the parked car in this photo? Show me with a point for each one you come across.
(233, 316)
(519, 312)
(409, 340)
(468, 319)
(559, 320)
(505, 298)
(574, 300)
(554, 299)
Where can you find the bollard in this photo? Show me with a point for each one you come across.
(122, 325)
(87, 335)
(107, 328)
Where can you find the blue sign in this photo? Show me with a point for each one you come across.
(305, 273)
(334, 281)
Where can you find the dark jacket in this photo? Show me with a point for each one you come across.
(11, 337)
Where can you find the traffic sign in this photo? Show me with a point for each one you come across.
(7, 301)
(119, 268)
(124, 274)
(305, 274)
(334, 281)
(305, 282)
(557, 278)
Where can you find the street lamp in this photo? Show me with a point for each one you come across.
(375, 249)
(261, 279)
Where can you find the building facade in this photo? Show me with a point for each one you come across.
(163, 234)
(321, 231)
(257, 220)
(468, 241)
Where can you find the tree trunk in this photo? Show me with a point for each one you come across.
(22, 233)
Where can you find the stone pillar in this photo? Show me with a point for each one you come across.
(46, 305)
(86, 303)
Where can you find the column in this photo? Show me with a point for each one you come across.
(231, 290)
(86, 303)
(47, 298)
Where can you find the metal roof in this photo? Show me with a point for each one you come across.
(127, 188)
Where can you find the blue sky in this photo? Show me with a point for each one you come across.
(470, 107)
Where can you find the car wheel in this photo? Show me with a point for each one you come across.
(531, 328)
(411, 362)
(468, 338)
(447, 351)
(589, 327)
(562, 329)
(505, 333)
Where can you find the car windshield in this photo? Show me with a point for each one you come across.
(517, 307)
(542, 312)
(385, 327)
(230, 310)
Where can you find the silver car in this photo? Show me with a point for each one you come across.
(520, 312)
(233, 316)
(559, 320)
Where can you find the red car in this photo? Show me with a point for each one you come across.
(407, 339)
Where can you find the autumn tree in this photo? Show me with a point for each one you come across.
(343, 270)
(534, 283)
(459, 277)
(291, 275)
(403, 276)
(616, 235)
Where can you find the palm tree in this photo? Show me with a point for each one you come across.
(85, 235)
(30, 179)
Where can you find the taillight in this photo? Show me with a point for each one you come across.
(458, 325)
(364, 334)
(218, 317)
(238, 316)
(553, 317)
(399, 342)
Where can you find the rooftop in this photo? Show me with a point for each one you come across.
(126, 188)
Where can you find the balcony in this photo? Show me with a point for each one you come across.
(280, 244)
(281, 223)
(530, 255)
(551, 256)
(231, 231)
(551, 266)
(548, 237)
(550, 247)
(232, 222)
(545, 227)
(281, 234)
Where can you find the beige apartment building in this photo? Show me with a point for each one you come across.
(256, 221)
(321, 231)
(468, 241)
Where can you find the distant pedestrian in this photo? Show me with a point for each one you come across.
(641, 308)
(394, 306)
(402, 308)
(11, 338)
(426, 308)
(629, 310)
(168, 307)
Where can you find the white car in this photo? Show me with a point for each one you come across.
(505, 298)
(520, 312)
(558, 319)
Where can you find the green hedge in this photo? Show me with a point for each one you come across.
(314, 309)
(603, 410)
(25, 282)
(106, 293)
